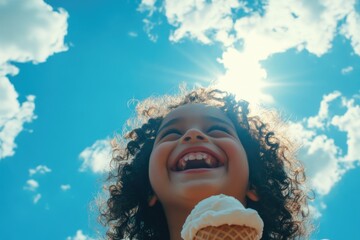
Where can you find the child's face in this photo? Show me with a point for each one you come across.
(196, 154)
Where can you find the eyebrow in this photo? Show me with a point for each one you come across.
(169, 123)
(180, 119)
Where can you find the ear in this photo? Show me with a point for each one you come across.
(152, 200)
(252, 195)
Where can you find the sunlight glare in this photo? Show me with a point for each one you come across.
(244, 77)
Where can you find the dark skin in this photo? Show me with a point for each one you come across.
(196, 129)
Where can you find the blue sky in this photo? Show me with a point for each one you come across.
(69, 68)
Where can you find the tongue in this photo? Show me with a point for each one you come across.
(193, 164)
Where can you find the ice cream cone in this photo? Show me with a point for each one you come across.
(226, 232)
(222, 217)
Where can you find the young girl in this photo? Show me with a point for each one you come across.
(194, 146)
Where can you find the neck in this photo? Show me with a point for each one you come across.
(176, 217)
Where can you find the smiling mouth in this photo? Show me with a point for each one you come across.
(196, 160)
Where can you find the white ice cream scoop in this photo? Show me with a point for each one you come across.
(223, 216)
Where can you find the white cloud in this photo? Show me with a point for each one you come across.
(79, 236)
(8, 98)
(36, 199)
(97, 157)
(249, 35)
(8, 69)
(133, 34)
(202, 20)
(31, 185)
(350, 124)
(314, 212)
(351, 30)
(147, 5)
(273, 28)
(323, 115)
(326, 162)
(65, 187)
(307, 25)
(13, 116)
(320, 157)
(41, 169)
(316, 209)
(347, 70)
(31, 31)
(148, 28)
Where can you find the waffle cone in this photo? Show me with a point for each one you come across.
(226, 232)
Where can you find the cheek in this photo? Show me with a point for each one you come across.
(158, 162)
(236, 156)
(232, 148)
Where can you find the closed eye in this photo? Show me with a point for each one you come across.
(218, 128)
(172, 132)
(219, 131)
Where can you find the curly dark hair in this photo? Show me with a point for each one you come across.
(274, 172)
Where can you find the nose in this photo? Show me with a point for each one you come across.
(194, 135)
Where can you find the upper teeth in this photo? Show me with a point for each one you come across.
(196, 156)
(211, 161)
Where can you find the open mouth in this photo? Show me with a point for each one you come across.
(195, 160)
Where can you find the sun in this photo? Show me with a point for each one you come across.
(241, 74)
(250, 89)
(244, 76)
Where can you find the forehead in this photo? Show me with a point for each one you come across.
(195, 112)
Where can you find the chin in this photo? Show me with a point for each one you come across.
(195, 194)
